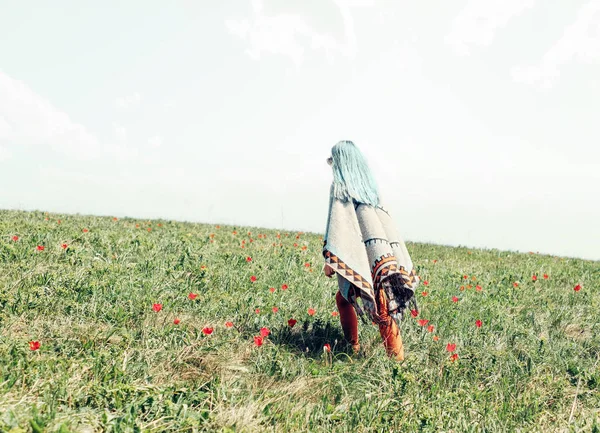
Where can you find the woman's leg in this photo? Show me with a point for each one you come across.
(348, 320)
(390, 334)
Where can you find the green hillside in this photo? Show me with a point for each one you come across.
(109, 361)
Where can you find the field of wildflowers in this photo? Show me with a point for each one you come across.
(124, 325)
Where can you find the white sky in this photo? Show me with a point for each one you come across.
(480, 118)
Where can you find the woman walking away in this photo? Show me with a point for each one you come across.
(363, 248)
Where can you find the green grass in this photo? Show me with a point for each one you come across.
(108, 362)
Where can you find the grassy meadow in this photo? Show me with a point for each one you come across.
(124, 325)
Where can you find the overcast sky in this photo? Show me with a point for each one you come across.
(480, 118)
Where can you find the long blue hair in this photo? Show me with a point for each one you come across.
(352, 177)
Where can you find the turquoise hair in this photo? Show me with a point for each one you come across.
(352, 178)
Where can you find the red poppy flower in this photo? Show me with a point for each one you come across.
(157, 307)
(304, 248)
(272, 289)
(307, 265)
(577, 288)
(229, 324)
(311, 312)
(423, 322)
(424, 293)
(478, 288)
(176, 321)
(534, 278)
(253, 278)
(515, 284)
(284, 287)
(275, 309)
(64, 246)
(454, 357)
(159, 224)
(248, 259)
(295, 245)
(257, 311)
(265, 332)
(34, 345)
(234, 233)
(149, 229)
(258, 341)
(85, 230)
(546, 276)
(435, 261)
(465, 277)
(202, 267)
(292, 322)
(454, 299)
(58, 222)
(278, 236)
(425, 283)
(192, 296)
(115, 218)
(335, 313)
(327, 347)
(137, 226)
(15, 238)
(478, 323)
(414, 313)
(243, 242)
(207, 331)
(436, 338)
(40, 248)
(430, 328)
(451, 347)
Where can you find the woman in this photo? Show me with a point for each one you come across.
(362, 246)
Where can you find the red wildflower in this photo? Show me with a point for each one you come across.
(546, 276)
(465, 277)
(478, 323)
(248, 259)
(203, 267)
(157, 307)
(64, 246)
(115, 218)
(265, 332)
(272, 289)
(137, 226)
(192, 296)
(40, 248)
(478, 288)
(424, 293)
(34, 345)
(253, 278)
(284, 287)
(454, 299)
(462, 288)
(304, 248)
(515, 284)
(292, 322)
(436, 338)
(218, 227)
(207, 331)
(435, 261)
(307, 265)
(295, 245)
(229, 324)
(257, 311)
(311, 312)
(58, 222)
(335, 313)
(430, 328)
(258, 341)
(451, 347)
(425, 283)
(275, 309)
(327, 347)
(534, 278)
(85, 230)
(414, 313)
(176, 321)
(149, 229)
(454, 357)
(234, 233)
(15, 238)
(423, 322)
(577, 288)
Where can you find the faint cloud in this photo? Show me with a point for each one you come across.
(120, 134)
(580, 42)
(479, 21)
(155, 141)
(27, 119)
(128, 102)
(290, 35)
